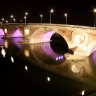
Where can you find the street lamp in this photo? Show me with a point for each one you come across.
(6, 21)
(11, 18)
(25, 17)
(94, 16)
(51, 11)
(2, 20)
(41, 17)
(66, 17)
(14, 20)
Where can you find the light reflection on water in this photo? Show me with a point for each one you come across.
(45, 57)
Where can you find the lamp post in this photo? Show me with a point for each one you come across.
(11, 18)
(66, 17)
(2, 20)
(41, 16)
(94, 16)
(51, 11)
(25, 17)
(14, 20)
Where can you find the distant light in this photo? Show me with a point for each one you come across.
(2, 19)
(6, 21)
(5, 30)
(26, 52)
(94, 10)
(48, 79)
(6, 44)
(75, 69)
(26, 13)
(83, 93)
(26, 31)
(41, 15)
(51, 10)
(3, 52)
(65, 14)
(12, 59)
(26, 68)
(11, 16)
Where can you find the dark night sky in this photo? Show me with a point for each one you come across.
(80, 12)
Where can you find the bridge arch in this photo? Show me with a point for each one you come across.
(42, 35)
(15, 32)
(1, 32)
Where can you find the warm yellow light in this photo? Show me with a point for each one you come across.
(2, 19)
(83, 93)
(26, 31)
(26, 52)
(94, 10)
(26, 13)
(5, 30)
(12, 59)
(41, 15)
(3, 52)
(6, 44)
(11, 16)
(6, 21)
(51, 10)
(79, 39)
(48, 79)
(26, 68)
(66, 14)
(75, 69)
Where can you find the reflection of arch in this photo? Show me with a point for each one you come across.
(1, 32)
(1, 41)
(44, 52)
(15, 40)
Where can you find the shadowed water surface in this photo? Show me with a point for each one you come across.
(42, 70)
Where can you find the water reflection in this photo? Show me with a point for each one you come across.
(3, 52)
(1, 41)
(44, 52)
(75, 76)
(16, 40)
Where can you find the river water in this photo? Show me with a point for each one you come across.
(43, 70)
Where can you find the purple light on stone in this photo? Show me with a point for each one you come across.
(15, 40)
(46, 37)
(93, 56)
(16, 33)
(1, 41)
(46, 48)
(1, 32)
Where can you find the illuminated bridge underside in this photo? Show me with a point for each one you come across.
(1, 32)
(41, 37)
(16, 33)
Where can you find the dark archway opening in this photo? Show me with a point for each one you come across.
(59, 44)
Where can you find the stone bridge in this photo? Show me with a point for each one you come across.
(81, 39)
